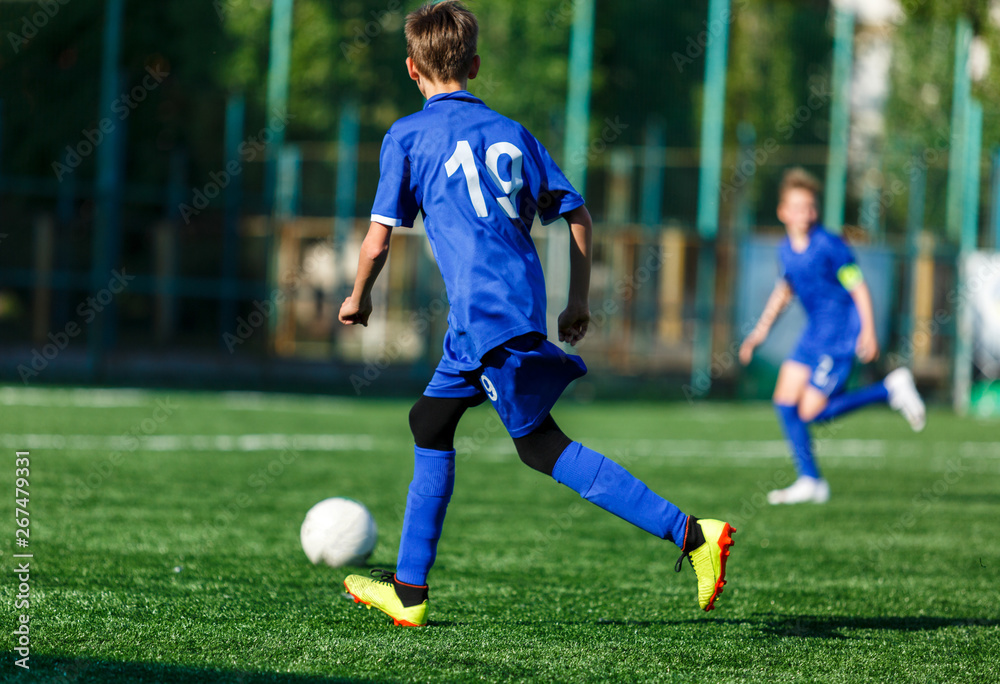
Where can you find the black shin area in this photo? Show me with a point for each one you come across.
(433, 421)
(542, 447)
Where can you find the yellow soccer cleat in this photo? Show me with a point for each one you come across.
(381, 593)
(706, 546)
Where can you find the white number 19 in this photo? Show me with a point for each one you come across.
(463, 157)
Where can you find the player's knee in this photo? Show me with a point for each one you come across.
(784, 398)
(807, 413)
(433, 422)
(534, 456)
(541, 448)
(418, 422)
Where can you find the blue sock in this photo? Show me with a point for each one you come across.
(603, 482)
(847, 402)
(797, 433)
(426, 503)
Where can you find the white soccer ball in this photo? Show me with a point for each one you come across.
(338, 532)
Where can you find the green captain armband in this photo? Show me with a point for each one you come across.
(850, 276)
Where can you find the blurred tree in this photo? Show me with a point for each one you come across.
(919, 112)
(47, 74)
(649, 61)
(779, 81)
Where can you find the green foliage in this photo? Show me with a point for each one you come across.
(648, 64)
(918, 117)
(49, 82)
(779, 58)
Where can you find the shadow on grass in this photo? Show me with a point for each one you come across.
(598, 622)
(823, 627)
(76, 670)
(827, 627)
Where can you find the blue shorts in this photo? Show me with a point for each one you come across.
(829, 372)
(523, 377)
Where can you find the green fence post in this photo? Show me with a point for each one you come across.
(974, 150)
(277, 105)
(228, 294)
(581, 56)
(105, 243)
(277, 89)
(710, 176)
(840, 121)
(959, 122)
(288, 194)
(969, 243)
(652, 176)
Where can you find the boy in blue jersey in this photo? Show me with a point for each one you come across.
(820, 269)
(480, 179)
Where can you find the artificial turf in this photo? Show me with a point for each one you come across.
(173, 555)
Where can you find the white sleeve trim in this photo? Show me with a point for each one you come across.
(386, 220)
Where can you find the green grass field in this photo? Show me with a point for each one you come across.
(172, 555)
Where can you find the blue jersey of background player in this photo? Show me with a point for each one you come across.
(827, 280)
(480, 179)
(819, 268)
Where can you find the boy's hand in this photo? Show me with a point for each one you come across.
(867, 347)
(752, 341)
(353, 312)
(573, 324)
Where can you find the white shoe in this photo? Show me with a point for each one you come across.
(903, 397)
(804, 490)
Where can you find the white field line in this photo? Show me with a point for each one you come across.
(499, 448)
(123, 398)
(841, 448)
(262, 401)
(667, 449)
(190, 442)
(78, 397)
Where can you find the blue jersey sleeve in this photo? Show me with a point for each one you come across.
(395, 201)
(556, 195)
(843, 264)
(839, 253)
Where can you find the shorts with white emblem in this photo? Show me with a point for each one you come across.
(523, 377)
(830, 373)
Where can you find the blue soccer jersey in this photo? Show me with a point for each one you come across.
(479, 178)
(816, 275)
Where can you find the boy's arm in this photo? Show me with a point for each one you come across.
(867, 346)
(374, 251)
(574, 320)
(780, 297)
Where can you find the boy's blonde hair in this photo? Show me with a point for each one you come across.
(797, 178)
(441, 40)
